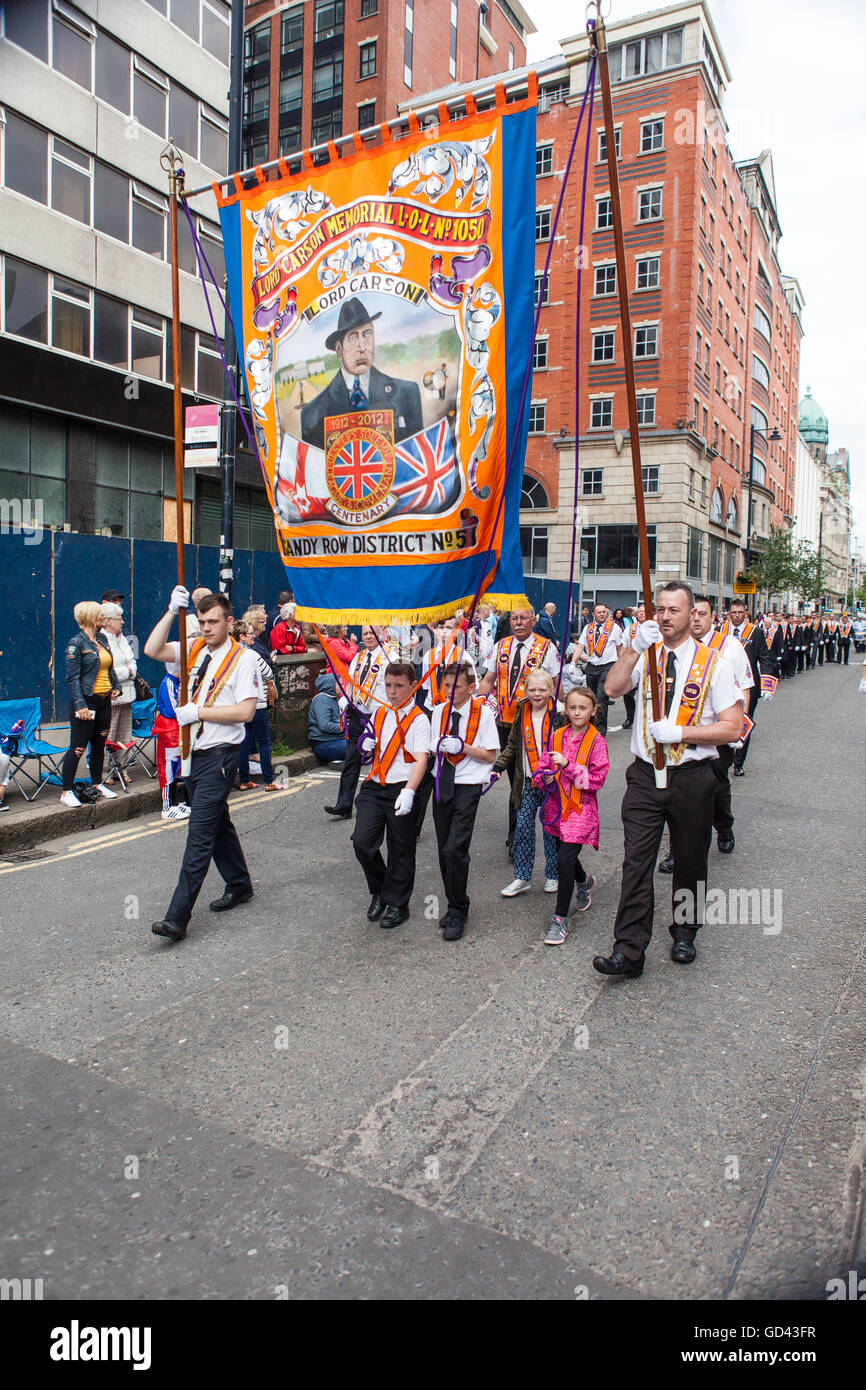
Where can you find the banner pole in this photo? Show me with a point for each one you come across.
(170, 159)
(659, 760)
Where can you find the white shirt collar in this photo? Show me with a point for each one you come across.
(680, 651)
(363, 377)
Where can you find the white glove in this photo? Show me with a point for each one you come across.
(766, 694)
(343, 702)
(403, 804)
(187, 714)
(665, 730)
(451, 743)
(179, 598)
(646, 636)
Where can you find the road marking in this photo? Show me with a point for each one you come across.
(125, 836)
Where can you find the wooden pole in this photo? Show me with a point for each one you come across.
(659, 761)
(170, 159)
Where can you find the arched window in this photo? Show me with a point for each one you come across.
(733, 514)
(717, 506)
(533, 496)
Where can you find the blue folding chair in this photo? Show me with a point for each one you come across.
(27, 745)
(143, 712)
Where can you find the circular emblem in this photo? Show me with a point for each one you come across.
(359, 471)
(691, 691)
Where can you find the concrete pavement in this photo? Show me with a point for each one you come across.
(380, 1113)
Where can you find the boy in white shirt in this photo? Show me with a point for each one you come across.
(401, 742)
(470, 743)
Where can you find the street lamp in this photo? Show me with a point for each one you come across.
(774, 439)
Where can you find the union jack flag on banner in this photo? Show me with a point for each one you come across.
(384, 302)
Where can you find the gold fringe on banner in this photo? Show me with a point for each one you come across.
(382, 616)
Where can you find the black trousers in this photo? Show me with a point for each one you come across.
(455, 822)
(801, 658)
(375, 821)
(595, 679)
(844, 644)
(352, 766)
(504, 731)
(686, 807)
(740, 754)
(812, 656)
(423, 794)
(723, 817)
(629, 702)
(821, 647)
(84, 733)
(211, 834)
(571, 871)
(791, 661)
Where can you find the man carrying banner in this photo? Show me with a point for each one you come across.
(599, 643)
(506, 671)
(751, 636)
(358, 385)
(364, 694)
(700, 710)
(224, 685)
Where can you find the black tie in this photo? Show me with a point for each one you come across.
(446, 777)
(365, 670)
(514, 673)
(670, 681)
(199, 679)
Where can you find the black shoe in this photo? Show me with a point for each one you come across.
(666, 866)
(628, 723)
(616, 964)
(726, 842)
(739, 772)
(394, 916)
(454, 929)
(230, 899)
(169, 929)
(335, 811)
(376, 908)
(683, 952)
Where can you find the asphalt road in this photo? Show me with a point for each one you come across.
(294, 1102)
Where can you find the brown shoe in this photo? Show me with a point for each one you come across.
(247, 786)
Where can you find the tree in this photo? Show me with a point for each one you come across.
(778, 564)
(809, 581)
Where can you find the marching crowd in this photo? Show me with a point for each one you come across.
(439, 713)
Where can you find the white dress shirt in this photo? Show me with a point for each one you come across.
(357, 667)
(721, 695)
(244, 683)
(417, 741)
(549, 663)
(469, 770)
(609, 651)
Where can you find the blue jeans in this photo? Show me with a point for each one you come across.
(330, 750)
(258, 732)
(524, 837)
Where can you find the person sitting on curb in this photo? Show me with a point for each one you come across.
(324, 728)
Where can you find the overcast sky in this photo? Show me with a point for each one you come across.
(798, 87)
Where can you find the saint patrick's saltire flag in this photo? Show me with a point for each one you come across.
(384, 303)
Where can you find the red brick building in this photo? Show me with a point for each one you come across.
(317, 70)
(716, 324)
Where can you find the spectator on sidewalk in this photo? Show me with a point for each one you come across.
(286, 636)
(93, 686)
(273, 615)
(125, 668)
(258, 730)
(341, 643)
(324, 728)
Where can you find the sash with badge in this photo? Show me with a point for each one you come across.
(560, 804)
(506, 705)
(384, 757)
(476, 705)
(768, 685)
(691, 701)
(599, 638)
(533, 750)
(199, 669)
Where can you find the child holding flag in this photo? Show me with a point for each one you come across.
(574, 769)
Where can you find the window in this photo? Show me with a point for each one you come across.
(603, 214)
(452, 49)
(605, 279)
(366, 115)
(760, 372)
(183, 119)
(185, 13)
(695, 553)
(368, 60)
(34, 445)
(617, 547)
(762, 323)
(26, 25)
(760, 423)
(209, 369)
(652, 136)
(215, 25)
(537, 414)
(601, 413)
(110, 202)
(543, 160)
(700, 283)
(111, 331)
(602, 143)
(592, 482)
(328, 19)
(646, 410)
(542, 224)
(533, 496)
(369, 7)
(70, 316)
(26, 300)
(603, 347)
(539, 354)
(70, 181)
(717, 507)
(649, 205)
(291, 88)
(542, 290)
(292, 29)
(714, 559)
(698, 347)
(112, 72)
(733, 524)
(257, 98)
(649, 273)
(646, 341)
(533, 548)
(148, 221)
(650, 477)
(149, 91)
(652, 54)
(327, 127)
(408, 40)
(72, 45)
(712, 231)
(214, 141)
(257, 44)
(26, 158)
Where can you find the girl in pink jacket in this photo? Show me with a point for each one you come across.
(574, 768)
